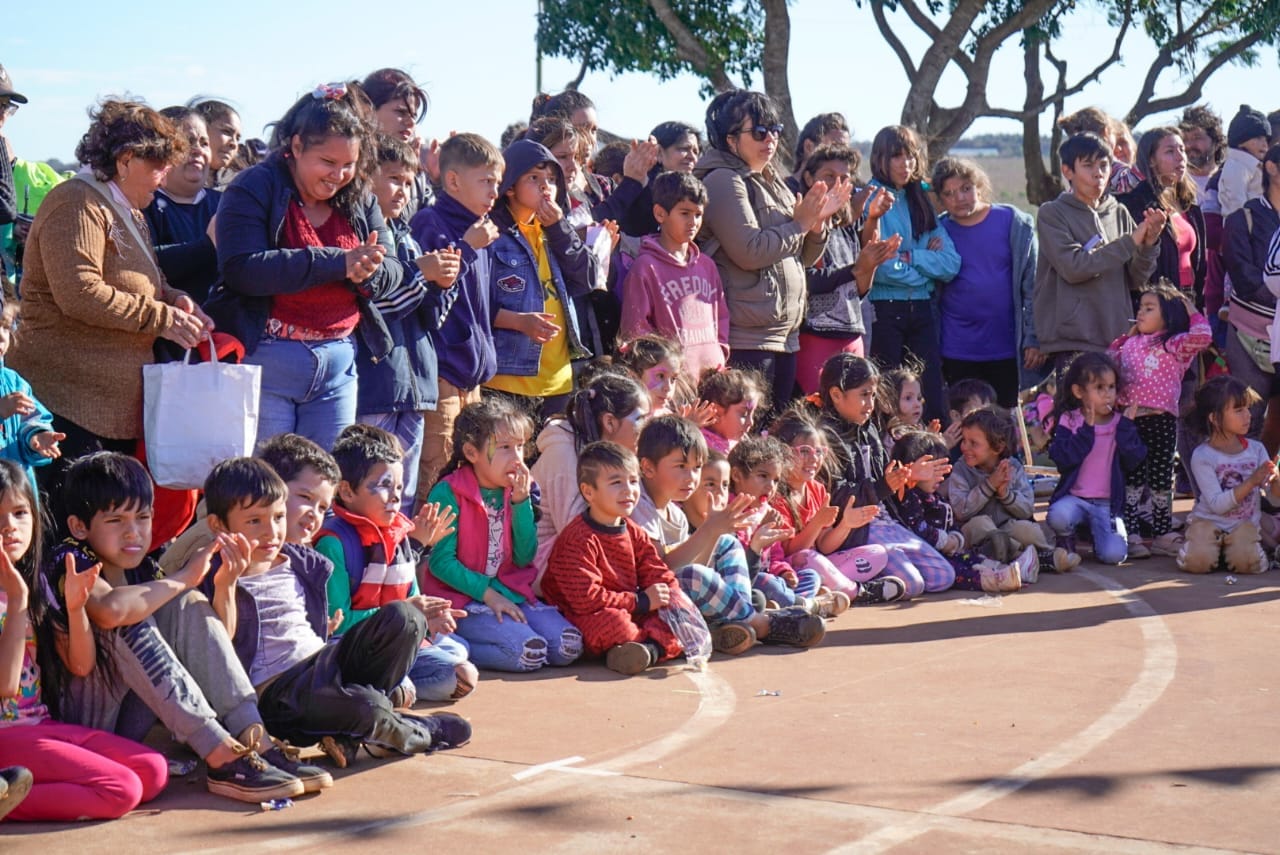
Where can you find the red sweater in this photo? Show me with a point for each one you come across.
(594, 567)
(329, 308)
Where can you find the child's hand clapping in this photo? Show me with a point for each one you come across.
(76, 585)
(432, 524)
(1263, 475)
(703, 414)
(16, 403)
(824, 518)
(770, 531)
(441, 267)
(735, 516)
(951, 436)
(929, 468)
(45, 444)
(481, 233)
(1001, 477)
(856, 516)
(895, 476)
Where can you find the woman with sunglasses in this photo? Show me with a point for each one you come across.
(902, 295)
(303, 251)
(761, 236)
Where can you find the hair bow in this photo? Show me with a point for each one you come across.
(330, 92)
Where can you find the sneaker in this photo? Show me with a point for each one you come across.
(15, 783)
(341, 750)
(249, 778)
(732, 638)
(1138, 547)
(415, 734)
(1028, 564)
(1168, 544)
(1000, 579)
(795, 627)
(448, 730)
(288, 759)
(630, 658)
(885, 589)
(829, 604)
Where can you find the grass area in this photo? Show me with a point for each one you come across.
(1008, 180)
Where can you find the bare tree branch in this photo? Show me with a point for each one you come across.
(888, 34)
(688, 48)
(1146, 106)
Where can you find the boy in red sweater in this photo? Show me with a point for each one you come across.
(605, 574)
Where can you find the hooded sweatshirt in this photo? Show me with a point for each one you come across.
(556, 474)
(761, 251)
(681, 300)
(1088, 265)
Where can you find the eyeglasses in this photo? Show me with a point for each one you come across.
(760, 132)
(9, 108)
(813, 452)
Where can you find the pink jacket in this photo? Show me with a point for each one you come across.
(682, 301)
(1151, 372)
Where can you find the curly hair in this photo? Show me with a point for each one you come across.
(128, 127)
(966, 170)
(1200, 116)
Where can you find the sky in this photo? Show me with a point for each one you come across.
(477, 62)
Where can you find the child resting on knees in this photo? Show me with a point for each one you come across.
(486, 566)
(605, 572)
(375, 550)
(927, 514)
(163, 641)
(1231, 471)
(270, 596)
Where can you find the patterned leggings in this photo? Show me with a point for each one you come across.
(722, 592)
(1148, 489)
(910, 559)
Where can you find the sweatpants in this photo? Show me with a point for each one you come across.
(180, 665)
(79, 772)
(343, 689)
(722, 591)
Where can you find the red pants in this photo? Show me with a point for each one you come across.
(80, 773)
(816, 350)
(610, 627)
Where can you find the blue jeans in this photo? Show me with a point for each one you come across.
(434, 673)
(1110, 540)
(308, 387)
(777, 590)
(547, 638)
(408, 428)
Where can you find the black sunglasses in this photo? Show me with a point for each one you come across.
(760, 132)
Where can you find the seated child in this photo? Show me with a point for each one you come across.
(712, 493)
(1094, 446)
(989, 490)
(271, 597)
(736, 396)
(374, 549)
(658, 364)
(803, 503)
(68, 772)
(398, 387)
(27, 436)
(1231, 471)
(162, 641)
(711, 564)
(486, 565)
(963, 397)
(672, 288)
(755, 468)
(605, 572)
(927, 514)
(901, 404)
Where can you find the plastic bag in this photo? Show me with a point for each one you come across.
(686, 622)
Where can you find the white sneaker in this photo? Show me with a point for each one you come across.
(1028, 565)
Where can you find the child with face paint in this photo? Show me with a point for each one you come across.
(735, 396)
(487, 565)
(658, 363)
(376, 551)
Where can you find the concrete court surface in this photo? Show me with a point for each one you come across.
(1129, 709)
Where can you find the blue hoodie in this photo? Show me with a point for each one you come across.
(464, 339)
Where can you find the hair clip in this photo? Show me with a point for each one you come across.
(330, 92)
(591, 393)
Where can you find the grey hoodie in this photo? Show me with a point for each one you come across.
(1088, 266)
(759, 249)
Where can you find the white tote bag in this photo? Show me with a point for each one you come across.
(196, 416)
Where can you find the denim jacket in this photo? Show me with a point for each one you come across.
(516, 286)
(253, 267)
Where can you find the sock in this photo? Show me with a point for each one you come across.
(655, 652)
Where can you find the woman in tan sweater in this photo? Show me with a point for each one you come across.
(94, 300)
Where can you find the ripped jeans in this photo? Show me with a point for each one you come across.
(508, 645)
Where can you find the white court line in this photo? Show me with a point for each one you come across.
(545, 767)
(1160, 657)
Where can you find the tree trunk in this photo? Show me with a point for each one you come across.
(1042, 185)
(777, 48)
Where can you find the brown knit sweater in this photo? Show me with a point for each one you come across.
(93, 303)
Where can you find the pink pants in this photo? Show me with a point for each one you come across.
(843, 571)
(81, 773)
(814, 352)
